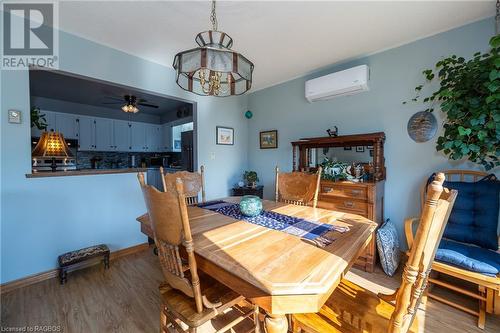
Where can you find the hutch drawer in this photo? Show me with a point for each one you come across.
(344, 205)
(344, 191)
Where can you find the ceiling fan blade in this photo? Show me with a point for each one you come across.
(112, 103)
(148, 105)
(115, 98)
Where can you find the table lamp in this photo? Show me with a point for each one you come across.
(51, 145)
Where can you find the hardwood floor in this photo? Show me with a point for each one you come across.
(125, 299)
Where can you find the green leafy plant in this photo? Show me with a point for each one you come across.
(469, 95)
(38, 119)
(334, 170)
(251, 177)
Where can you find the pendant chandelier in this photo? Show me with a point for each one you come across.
(213, 69)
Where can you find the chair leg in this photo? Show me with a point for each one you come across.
(163, 321)
(482, 309)
(256, 318)
(295, 326)
(490, 295)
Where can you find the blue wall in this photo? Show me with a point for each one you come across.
(394, 74)
(41, 218)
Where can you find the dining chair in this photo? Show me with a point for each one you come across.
(186, 296)
(194, 182)
(297, 188)
(488, 287)
(352, 308)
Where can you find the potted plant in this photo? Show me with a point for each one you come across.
(38, 119)
(251, 178)
(469, 95)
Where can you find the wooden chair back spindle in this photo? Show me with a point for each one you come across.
(170, 223)
(297, 188)
(194, 183)
(437, 209)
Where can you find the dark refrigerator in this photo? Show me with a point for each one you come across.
(187, 151)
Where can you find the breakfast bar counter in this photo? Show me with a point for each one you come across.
(84, 172)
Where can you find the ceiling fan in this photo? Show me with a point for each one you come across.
(131, 103)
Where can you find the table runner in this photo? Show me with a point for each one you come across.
(314, 232)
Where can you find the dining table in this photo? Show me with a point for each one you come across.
(280, 272)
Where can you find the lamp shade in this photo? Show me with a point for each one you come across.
(51, 144)
(213, 57)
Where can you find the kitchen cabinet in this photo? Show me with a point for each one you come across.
(138, 136)
(166, 138)
(121, 135)
(86, 133)
(66, 124)
(50, 117)
(104, 134)
(104, 140)
(153, 138)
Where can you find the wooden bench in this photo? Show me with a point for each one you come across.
(73, 258)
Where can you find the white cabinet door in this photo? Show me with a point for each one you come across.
(50, 117)
(166, 140)
(153, 138)
(66, 124)
(159, 139)
(104, 134)
(121, 133)
(86, 133)
(138, 136)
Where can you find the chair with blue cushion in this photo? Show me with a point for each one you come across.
(469, 250)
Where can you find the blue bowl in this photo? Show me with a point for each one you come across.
(250, 205)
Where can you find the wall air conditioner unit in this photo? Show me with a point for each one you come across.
(347, 82)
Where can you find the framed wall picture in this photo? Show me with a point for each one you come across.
(360, 149)
(224, 136)
(269, 139)
(347, 148)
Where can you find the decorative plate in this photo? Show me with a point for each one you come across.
(422, 126)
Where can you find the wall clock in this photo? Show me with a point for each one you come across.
(422, 126)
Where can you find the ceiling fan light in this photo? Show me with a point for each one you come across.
(129, 108)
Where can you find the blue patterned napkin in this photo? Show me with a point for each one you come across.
(315, 232)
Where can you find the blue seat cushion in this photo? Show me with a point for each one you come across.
(474, 218)
(471, 258)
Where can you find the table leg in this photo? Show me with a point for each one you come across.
(276, 323)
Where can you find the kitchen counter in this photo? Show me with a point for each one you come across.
(86, 172)
(83, 172)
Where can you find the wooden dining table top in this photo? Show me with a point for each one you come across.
(278, 271)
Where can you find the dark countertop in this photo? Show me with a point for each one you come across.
(83, 172)
(87, 172)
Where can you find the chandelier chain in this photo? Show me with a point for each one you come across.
(213, 16)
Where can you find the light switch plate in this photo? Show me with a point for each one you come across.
(212, 156)
(14, 116)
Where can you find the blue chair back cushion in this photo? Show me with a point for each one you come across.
(474, 218)
(471, 258)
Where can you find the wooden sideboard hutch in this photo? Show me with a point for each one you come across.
(361, 198)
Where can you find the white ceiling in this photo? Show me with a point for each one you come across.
(284, 39)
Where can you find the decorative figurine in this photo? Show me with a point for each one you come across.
(334, 132)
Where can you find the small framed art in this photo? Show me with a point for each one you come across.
(360, 149)
(224, 136)
(269, 139)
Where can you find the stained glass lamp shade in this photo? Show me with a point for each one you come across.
(213, 69)
(51, 145)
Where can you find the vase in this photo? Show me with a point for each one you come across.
(250, 205)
